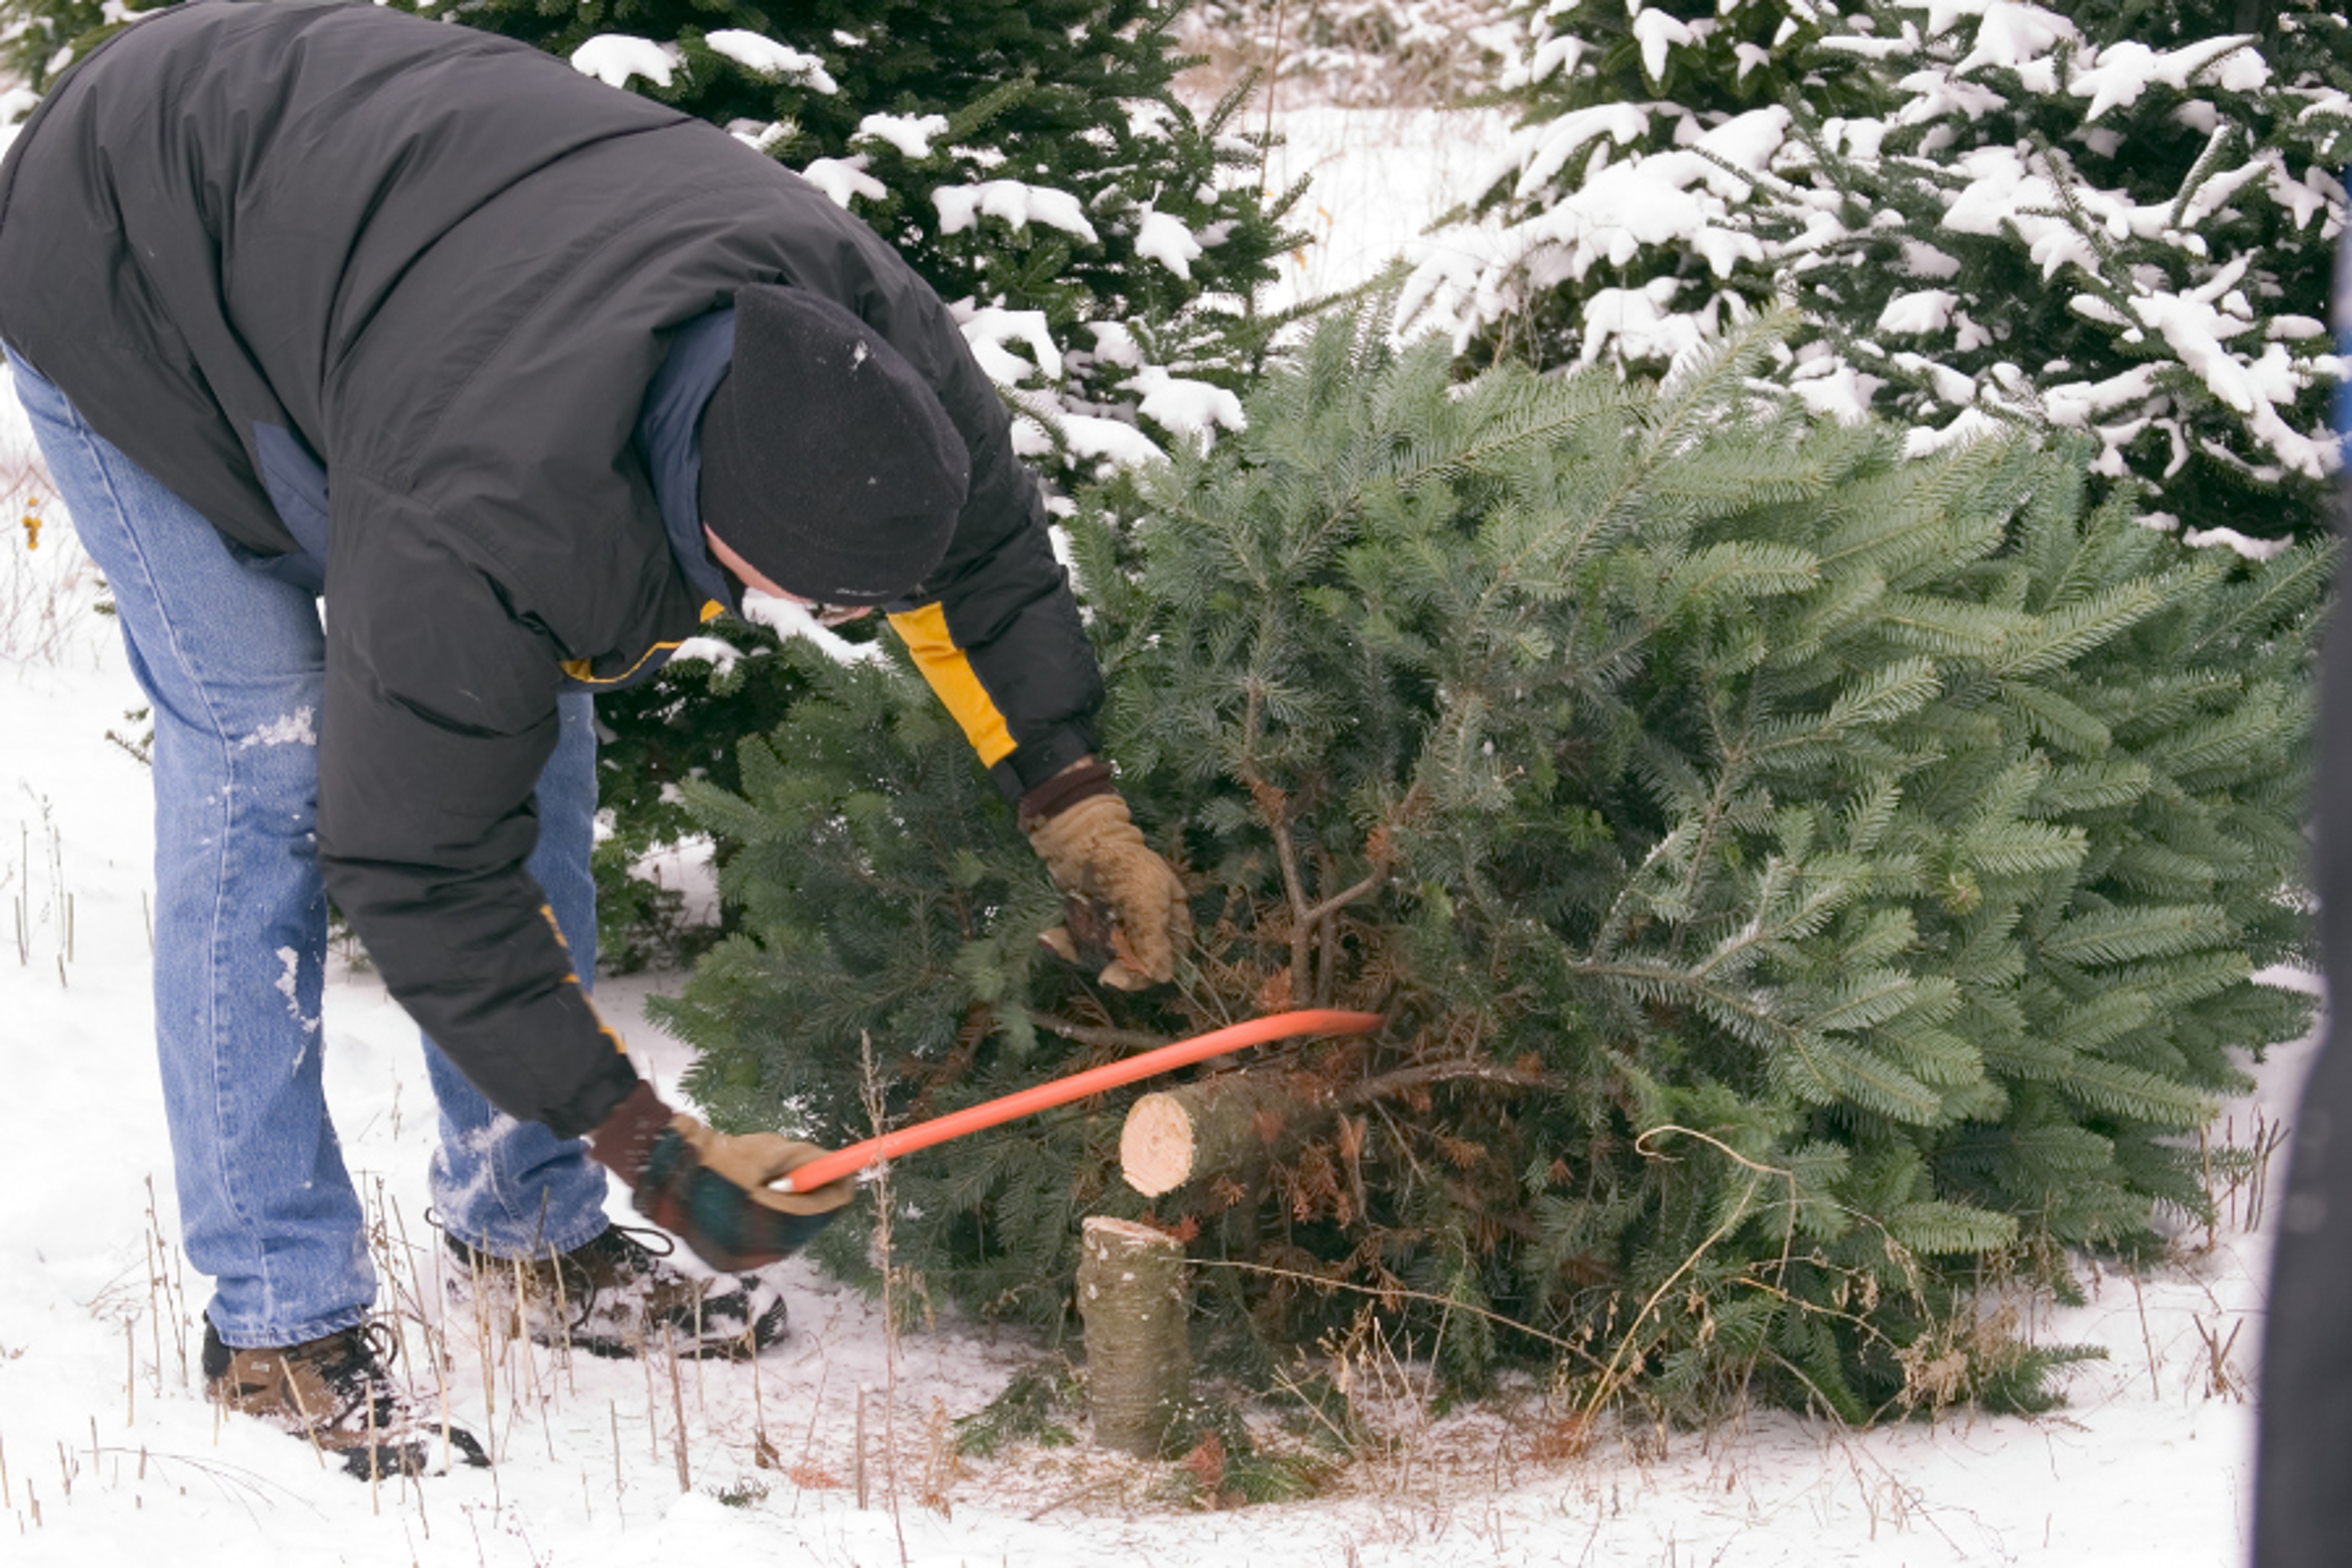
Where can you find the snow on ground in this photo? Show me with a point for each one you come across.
(110, 1455)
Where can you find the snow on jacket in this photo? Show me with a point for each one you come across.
(391, 292)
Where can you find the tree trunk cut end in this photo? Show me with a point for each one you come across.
(1155, 1147)
(1225, 1126)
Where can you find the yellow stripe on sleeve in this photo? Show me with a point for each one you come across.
(584, 671)
(950, 671)
(572, 979)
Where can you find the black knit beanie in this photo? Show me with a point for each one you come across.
(827, 461)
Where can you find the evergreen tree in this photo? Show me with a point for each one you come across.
(1794, 875)
(2120, 220)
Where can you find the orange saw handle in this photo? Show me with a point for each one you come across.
(1077, 1086)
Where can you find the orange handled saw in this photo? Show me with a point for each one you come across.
(1077, 1086)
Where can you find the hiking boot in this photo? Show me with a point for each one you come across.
(335, 1391)
(613, 1295)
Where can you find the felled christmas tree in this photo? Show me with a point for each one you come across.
(2120, 220)
(1795, 878)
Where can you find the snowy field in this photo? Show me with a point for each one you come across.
(110, 1455)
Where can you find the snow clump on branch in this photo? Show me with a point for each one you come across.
(1983, 213)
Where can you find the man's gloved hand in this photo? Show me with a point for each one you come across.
(710, 1189)
(1079, 826)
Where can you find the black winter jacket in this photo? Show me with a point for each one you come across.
(250, 240)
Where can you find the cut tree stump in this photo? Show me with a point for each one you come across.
(1139, 1357)
(1227, 1125)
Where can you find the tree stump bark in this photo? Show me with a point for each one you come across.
(1139, 1357)
(1225, 1125)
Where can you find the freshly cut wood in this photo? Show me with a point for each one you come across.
(1223, 1125)
(1139, 1358)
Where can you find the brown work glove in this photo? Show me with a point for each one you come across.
(1080, 827)
(710, 1189)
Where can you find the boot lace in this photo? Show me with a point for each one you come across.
(354, 1365)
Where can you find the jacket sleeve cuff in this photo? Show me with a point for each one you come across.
(1063, 791)
(1036, 761)
(597, 1101)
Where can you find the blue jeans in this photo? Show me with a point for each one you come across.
(233, 662)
